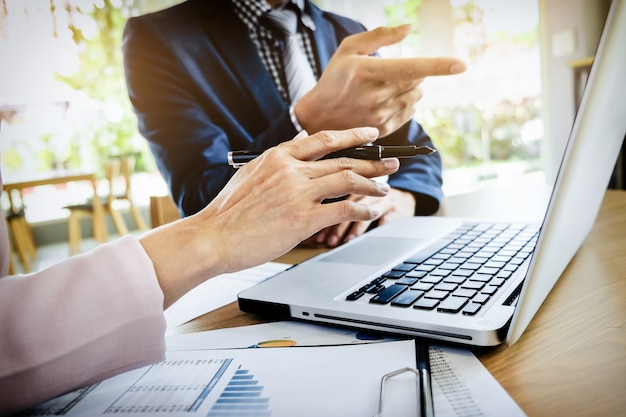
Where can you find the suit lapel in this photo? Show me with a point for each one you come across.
(230, 37)
(324, 35)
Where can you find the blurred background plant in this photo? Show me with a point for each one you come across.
(63, 98)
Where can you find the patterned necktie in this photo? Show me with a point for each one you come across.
(298, 72)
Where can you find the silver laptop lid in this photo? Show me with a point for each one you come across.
(587, 164)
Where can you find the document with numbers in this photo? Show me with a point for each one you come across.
(224, 372)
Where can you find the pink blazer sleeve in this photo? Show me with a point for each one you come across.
(82, 320)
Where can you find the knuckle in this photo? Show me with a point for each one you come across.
(345, 164)
(349, 178)
(327, 138)
(379, 117)
(346, 209)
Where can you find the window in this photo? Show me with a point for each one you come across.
(486, 122)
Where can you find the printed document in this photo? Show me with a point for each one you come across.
(317, 371)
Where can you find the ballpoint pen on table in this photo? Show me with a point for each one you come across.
(427, 406)
(370, 152)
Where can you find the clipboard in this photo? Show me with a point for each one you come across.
(423, 376)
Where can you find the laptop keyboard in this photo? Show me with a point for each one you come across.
(457, 274)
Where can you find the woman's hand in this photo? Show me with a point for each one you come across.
(269, 206)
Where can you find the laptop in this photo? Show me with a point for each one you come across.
(467, 281)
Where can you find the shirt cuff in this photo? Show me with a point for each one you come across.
(294, 119)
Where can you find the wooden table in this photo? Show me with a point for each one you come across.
(571, 361)
(53, 178)
(61, 177)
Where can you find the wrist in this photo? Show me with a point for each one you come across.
(181, 256)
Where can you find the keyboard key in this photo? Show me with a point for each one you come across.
(494, 264)
(497, 282)
(385, 295)
(464, 292)
(416, 274)
(473, 285)
(440, 272)
(432, 279)
(393, 274)
(481, 298)
(406, 281)
(436, 294)
(471, 309)
(406, 298)
(455, 279)
(426, 303)
(488, 271)
(489, 289)
(423, 286)
(445, 286)
(355, 295)
(471, 266)
(406, 267)
(452, 304)
(425, 268)
(463, 273)
(373, 289)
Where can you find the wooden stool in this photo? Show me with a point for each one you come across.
(127, 167)
(87, 209)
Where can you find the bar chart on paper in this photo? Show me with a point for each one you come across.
(242, 396)
(183, 386)
(217, 386)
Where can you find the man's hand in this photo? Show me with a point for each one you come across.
(357, 89)
(395, 205)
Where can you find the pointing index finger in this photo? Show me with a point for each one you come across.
(387, 69)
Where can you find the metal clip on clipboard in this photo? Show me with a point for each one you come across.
(425, 400)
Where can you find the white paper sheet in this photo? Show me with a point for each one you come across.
(462, 386)
(340, 381)
(306, 380)
(218, 292)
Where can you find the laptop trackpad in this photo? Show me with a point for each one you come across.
(372, 251)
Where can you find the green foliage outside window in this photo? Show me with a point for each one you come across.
(113, 127)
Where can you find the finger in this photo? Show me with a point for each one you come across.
(335, 235)
(366, 43)
(356, 229)
(320, 237)
(396, 69)
(346, 211)
(365, 168)
(347, 182)
(327, 141)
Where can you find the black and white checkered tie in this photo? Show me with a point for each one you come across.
(298, 71)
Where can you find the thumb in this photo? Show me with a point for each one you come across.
(369, 42)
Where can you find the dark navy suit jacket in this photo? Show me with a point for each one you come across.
(200, 89)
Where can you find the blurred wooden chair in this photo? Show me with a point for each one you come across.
(127, 167)
(87, 209)
(20, 239)
(163, 210)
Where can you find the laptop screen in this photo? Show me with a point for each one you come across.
(590, 155)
